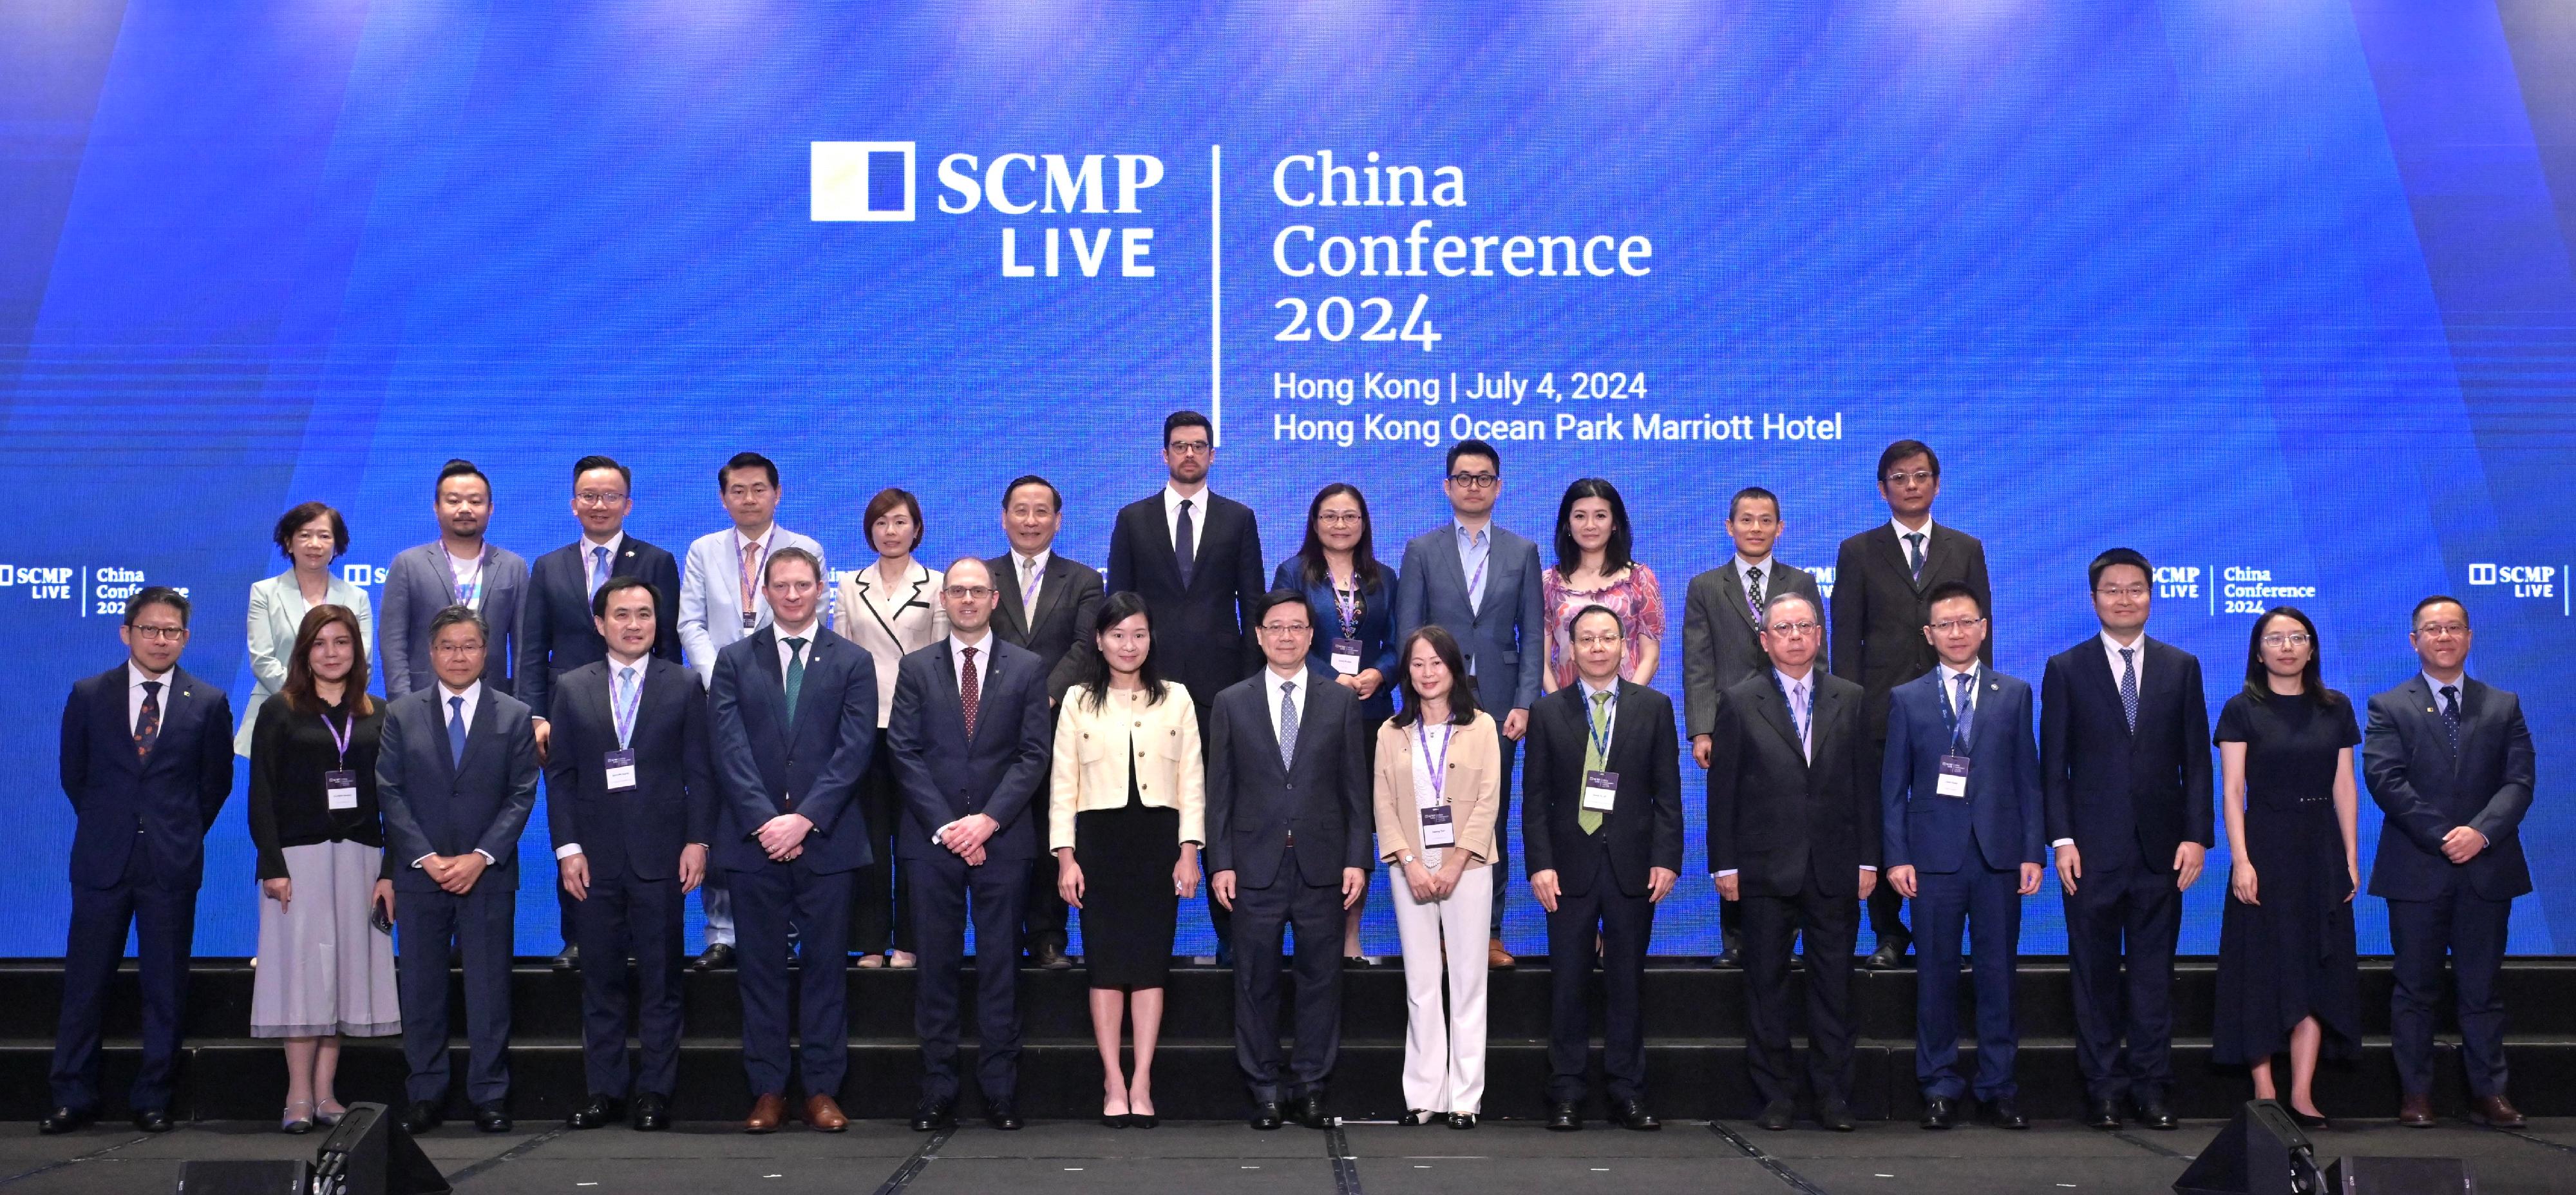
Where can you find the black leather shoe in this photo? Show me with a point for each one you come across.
(1308, 1110)
(1632, 1115)
(1940, 1112)
(1775, 1116)
(2317, 1124)
(569, 957)
(599, 1111)
(652, 1112)
(1265, 1115)
(934, 1115)
(2153, 1114)
(2003, 1113)
(65, 1120)
(1051, 957)
(1835, 1115)
(491, 1118)
(716, 957)
(2103, 1114)
(1889, 956)
(1001, 1115)
(1462, 1120)
(419, 1116)
(153, 1120)
(1564, 1117)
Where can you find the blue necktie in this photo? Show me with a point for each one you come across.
(1967, 714)
(1914, 552)
(2129, 686)
(598, 569)
(1185, 552)
(1287, 724)
(456, 732)
(2451, 715)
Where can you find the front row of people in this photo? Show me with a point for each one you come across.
(363, 811)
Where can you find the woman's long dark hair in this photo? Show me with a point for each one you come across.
(2258, 676)
(1614, 551)
(1462, 696)
(1310, 556)
(300, 678)
(1120, 607)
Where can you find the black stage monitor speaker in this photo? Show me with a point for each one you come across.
(2401, 1176)
(2261, 1152)
(243, 1178)
(368, 1154)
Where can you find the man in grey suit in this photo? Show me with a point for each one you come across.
(456, 774)
(1722, 637)
(1287, 754)
(1047, 604)
(459, 568)
(1482, 583)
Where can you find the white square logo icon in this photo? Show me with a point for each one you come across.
(862, 180)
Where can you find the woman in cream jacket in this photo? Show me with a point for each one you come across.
(1439, 771)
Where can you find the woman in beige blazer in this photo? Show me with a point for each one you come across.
(310, 536)
(1439, 775)
(891, 608)
(1125, 810)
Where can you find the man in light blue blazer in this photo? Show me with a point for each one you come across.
(1961, 837)
(1482, 583)
(459, 568)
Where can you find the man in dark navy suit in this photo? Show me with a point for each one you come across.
(792, 715)
(2449, 761)
(970, 731)
(2124, 771)
(631, 810)
(1961, 839)
(147, 763)
(456, 774)
(556, 631)
(1287, 756)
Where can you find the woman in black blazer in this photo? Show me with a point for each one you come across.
(1351, 597)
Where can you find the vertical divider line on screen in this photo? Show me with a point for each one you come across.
(1216, 296)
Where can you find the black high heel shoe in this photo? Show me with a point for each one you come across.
(2312, 1123)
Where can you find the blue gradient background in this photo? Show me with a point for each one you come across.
(2280, 286)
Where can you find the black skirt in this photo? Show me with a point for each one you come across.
(1128, 906)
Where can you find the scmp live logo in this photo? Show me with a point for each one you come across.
(41, 582)
(2528, 580)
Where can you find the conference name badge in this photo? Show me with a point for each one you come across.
(1600, 791)
(750, 621)
(621, 769)
(1346, 657)
(1437, 829)
(342, 789)
(1954, 776)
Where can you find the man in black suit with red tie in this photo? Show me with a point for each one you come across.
(1881, 578)
(1195, 557)
(147, 762)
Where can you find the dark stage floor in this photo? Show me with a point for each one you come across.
(1498, 1158)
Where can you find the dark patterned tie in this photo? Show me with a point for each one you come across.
(970, 692)
(1960, 738)
(147, 724)
(1185, 544)
(2450, 715)
(1287, 724)
(1914, 552)
(2129, 686)
(1753, 593)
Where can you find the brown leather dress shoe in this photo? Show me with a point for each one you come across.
(823, 1115)
(1498, 958)
(2415, 1111)
(766, 1112)
(2495, 1112)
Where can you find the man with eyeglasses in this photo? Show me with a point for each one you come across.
(556, 630)
(721, 601)
(1960, 835)
(459, 568)
(2125, 777)
(1289, 827)
(1722, 637)
(1195, 557)
(972, 735)
(1883, 578)
(2449, 760)
(1793, 827)
(1484, 585)
(147, 760)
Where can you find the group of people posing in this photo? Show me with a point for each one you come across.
(898, 753)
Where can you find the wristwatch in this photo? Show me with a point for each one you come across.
(1407, 859)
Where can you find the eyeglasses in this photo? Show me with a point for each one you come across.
(2288, 639)
(2131, 592)
(1188, 447)
(1339, 517)
(1476, 481)
(1285, 628)
(1791, 630)
(597, 498)
(1957, 626)
(162, 632)
(1918, 477)
(2443, 630)
(977, 592)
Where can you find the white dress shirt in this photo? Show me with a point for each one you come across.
(1901, 542)
(1744, 567)
(983, 664)
(1434, 744)
(615, 543)
(1610, 728)
(473, 695)
(1029, 577)
(615, 666)
(134, 678)
(785, 655)
(1297, 686)
(1172, 499)
(1950, 686)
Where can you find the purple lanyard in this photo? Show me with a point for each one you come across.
(340, 736)
(1346, 603)
(1440, 764)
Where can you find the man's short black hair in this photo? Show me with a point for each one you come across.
(1472, 447)
(1907, 450)
(2127, 556)
(747, 460)
(157, 595)
(1181, 419)
(1753, 493)
(596, 461)
(459, 467)
(1033, 479)
(1589, 611)
(449, 616)
(2417, 618)
(1263, 605)
(599, 600)
(1954, 589)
